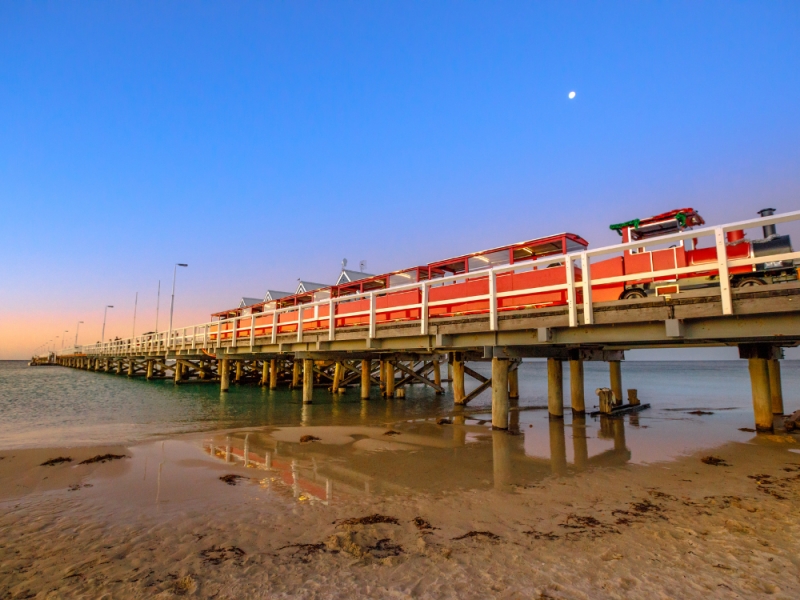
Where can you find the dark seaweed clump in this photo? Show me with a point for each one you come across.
(371, 520)
(56, 461)
(101, 458)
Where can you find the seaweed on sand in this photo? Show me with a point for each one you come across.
(56, 461)
(101, 458)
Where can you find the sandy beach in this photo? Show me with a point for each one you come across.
(178, 517)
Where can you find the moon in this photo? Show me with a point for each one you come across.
(571, 95)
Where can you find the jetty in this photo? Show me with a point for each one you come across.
(552, 306)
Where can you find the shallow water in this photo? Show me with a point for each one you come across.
(54, 406)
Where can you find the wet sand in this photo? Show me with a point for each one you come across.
(299, 519)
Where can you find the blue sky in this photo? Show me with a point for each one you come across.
(263, 142)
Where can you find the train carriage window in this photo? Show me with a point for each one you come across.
(400, 279)
(490, 259)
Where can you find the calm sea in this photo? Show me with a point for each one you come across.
(56, 406)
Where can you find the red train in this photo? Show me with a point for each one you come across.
(469, 296)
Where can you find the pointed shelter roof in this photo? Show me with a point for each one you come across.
(349, 276)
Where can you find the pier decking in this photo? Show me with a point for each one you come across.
(358, 340)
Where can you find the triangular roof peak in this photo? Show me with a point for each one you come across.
(349, 276)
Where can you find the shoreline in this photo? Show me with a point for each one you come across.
(163, 523)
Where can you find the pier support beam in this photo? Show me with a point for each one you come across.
(775, 385)
(131, 367)
(296, 374)
(308, 381)
(264, 373)
(389, 379)
(239, 364)
(499, 393)
(366, 382)
(458, 378)
(178, 371)
(555, 388)
(615, 371)
(437, 374)
(224, 375)
(273, 374)
(577, 399)
(149, 374)
(762, 398)
(337, 377)
(513, 381)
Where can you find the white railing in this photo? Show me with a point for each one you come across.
(209, 336)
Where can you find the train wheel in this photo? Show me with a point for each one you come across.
(633, 293)
(750, 282)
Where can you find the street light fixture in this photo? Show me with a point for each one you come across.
(172, 301)
(103, 332)
(76, 332)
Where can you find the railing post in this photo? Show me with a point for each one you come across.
(586, 280)
(331, 320)
(235, 331)
(571, 304)
(424, 309)
(300, 323)
(252, 330)
(492, 301)
(194, 337)
(183, 339)
(274, 337)
(372, 314)
(724, 276)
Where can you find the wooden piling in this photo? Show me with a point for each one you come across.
(390, 379)
(131, 367)
(149, 374)
(615, 372)
(499, 393)
(273, 374)
(295, 374)
(239, 364)
(308, 381)
(555, 388)
(366, 383)
(513, 382)
(178, 369)
(458, 378)
(762, 398)
(264, 373)
(437, 374)
(337, 377)
(775, 386)
(224, 375)
(577, 399)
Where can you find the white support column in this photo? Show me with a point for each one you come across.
(331, 320)
(586, 280)
(424, 309)
(492, 301)
(571, 304)
(724, 276)
(300, 323)
(372, 314)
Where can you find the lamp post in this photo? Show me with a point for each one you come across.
(172, 301)
(103, 331)
(76, 332)
(63, 338)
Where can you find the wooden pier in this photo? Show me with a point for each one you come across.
(307, 348)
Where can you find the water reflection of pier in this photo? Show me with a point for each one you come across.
(419, 456)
